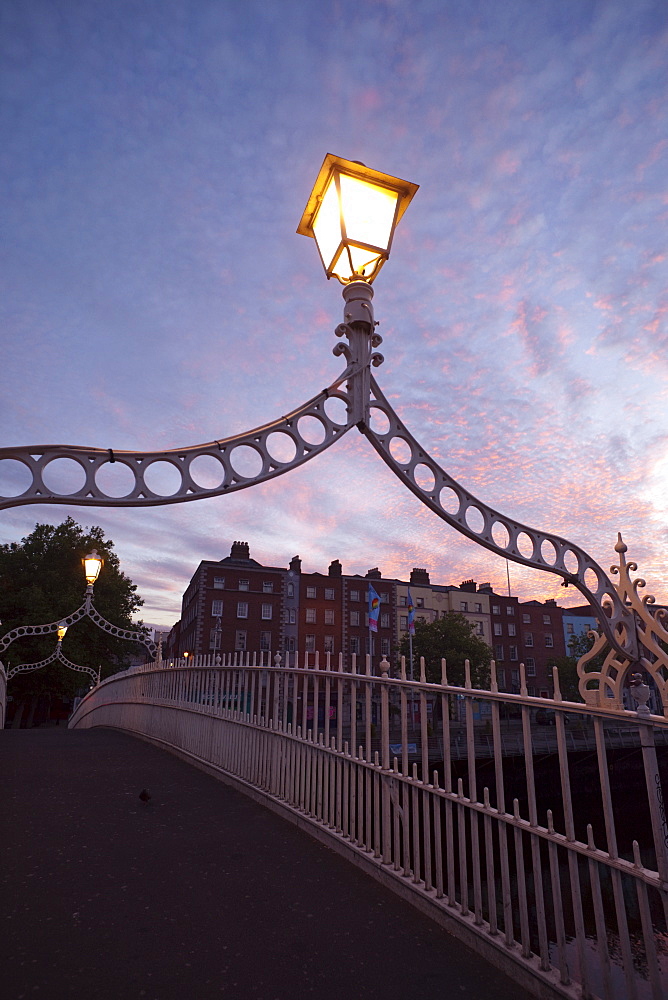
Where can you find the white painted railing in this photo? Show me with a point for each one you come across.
(543, 846)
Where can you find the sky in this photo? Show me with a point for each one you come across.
(155, 160)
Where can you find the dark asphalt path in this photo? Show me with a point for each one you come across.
(200, 893)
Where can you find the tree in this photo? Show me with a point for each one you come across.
(451, 638)
(42, 581)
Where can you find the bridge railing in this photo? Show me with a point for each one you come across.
(532, 828)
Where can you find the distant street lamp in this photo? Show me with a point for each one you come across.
(92, 565)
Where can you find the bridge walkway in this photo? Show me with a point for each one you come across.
(199, 893)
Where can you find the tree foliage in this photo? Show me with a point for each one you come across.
(451, 638)
(42, 581)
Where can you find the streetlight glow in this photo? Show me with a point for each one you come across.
(92, 565)
(60, 631)
(352, 213)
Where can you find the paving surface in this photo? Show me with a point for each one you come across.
(198, 893)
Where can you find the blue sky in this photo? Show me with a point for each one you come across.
(155, 159)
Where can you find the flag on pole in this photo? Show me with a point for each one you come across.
(374, 609)
(411, 614)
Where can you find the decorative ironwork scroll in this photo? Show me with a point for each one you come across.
(56, 655)
(603, 685)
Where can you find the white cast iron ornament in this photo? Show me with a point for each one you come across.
(352, 213)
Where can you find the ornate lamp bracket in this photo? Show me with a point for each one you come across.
(56, 655)
(603, 685)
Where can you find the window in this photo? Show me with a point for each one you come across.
(478, 628)
(496, 609)
(385, 620)
(498, 628)
(311, 593)
(354, 617)
(513, 653)
(530, 666)
(510, 610)
(329, 593)
(512, 630)
(526, 619)
(478, 608)
(569, 628)
(354, 644)
(216, 608)
(515, 676)
(463, 605)
(403, 622)
(219, 582)
(384, 598)
(501, 678)
(310, 615)
(310, 644)
(419, 602)
(214, 639)
(329, 643)
(291, 590)
(240, 639)
(403, 601)
(291, 616)
(354, 595)
(267, 612)
(547, 620)
(289, 644)
(498, 652)
(242, 609)
(244, 585)
(329, 616)
(384, 647)
(267, 587)
(528, 639)
(549, 640)
(265, 641)
(531, 690)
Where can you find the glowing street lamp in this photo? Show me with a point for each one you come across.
(92, 565)
(61, 630)
(352, 213)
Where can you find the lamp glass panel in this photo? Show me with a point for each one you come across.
(92, 566)
(364, 261)
(61, 630)
(327, 224)
(368, 211)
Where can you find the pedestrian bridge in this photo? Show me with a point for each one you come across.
(552, 865)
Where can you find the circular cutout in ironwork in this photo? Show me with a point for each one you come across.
(115, 479)
(449, 501)
(525, 545)
(424, 477)
(475, 519)
(336, 410)
(378, 421)
(548, 552)
(246, 461)
(163, 478)
(63, 476)
(400, 450)
(311, 429)
(207, 471)
(500, 535)
(571, 561)
(591, 579)
(15, 477)
(281, 447)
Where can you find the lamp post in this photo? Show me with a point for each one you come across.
(352, 214)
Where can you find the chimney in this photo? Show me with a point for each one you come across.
(374, 574)
(240, 550)
(469, 586)
(485, 588)
(335, 568)
(419, 576)
(296, 564)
